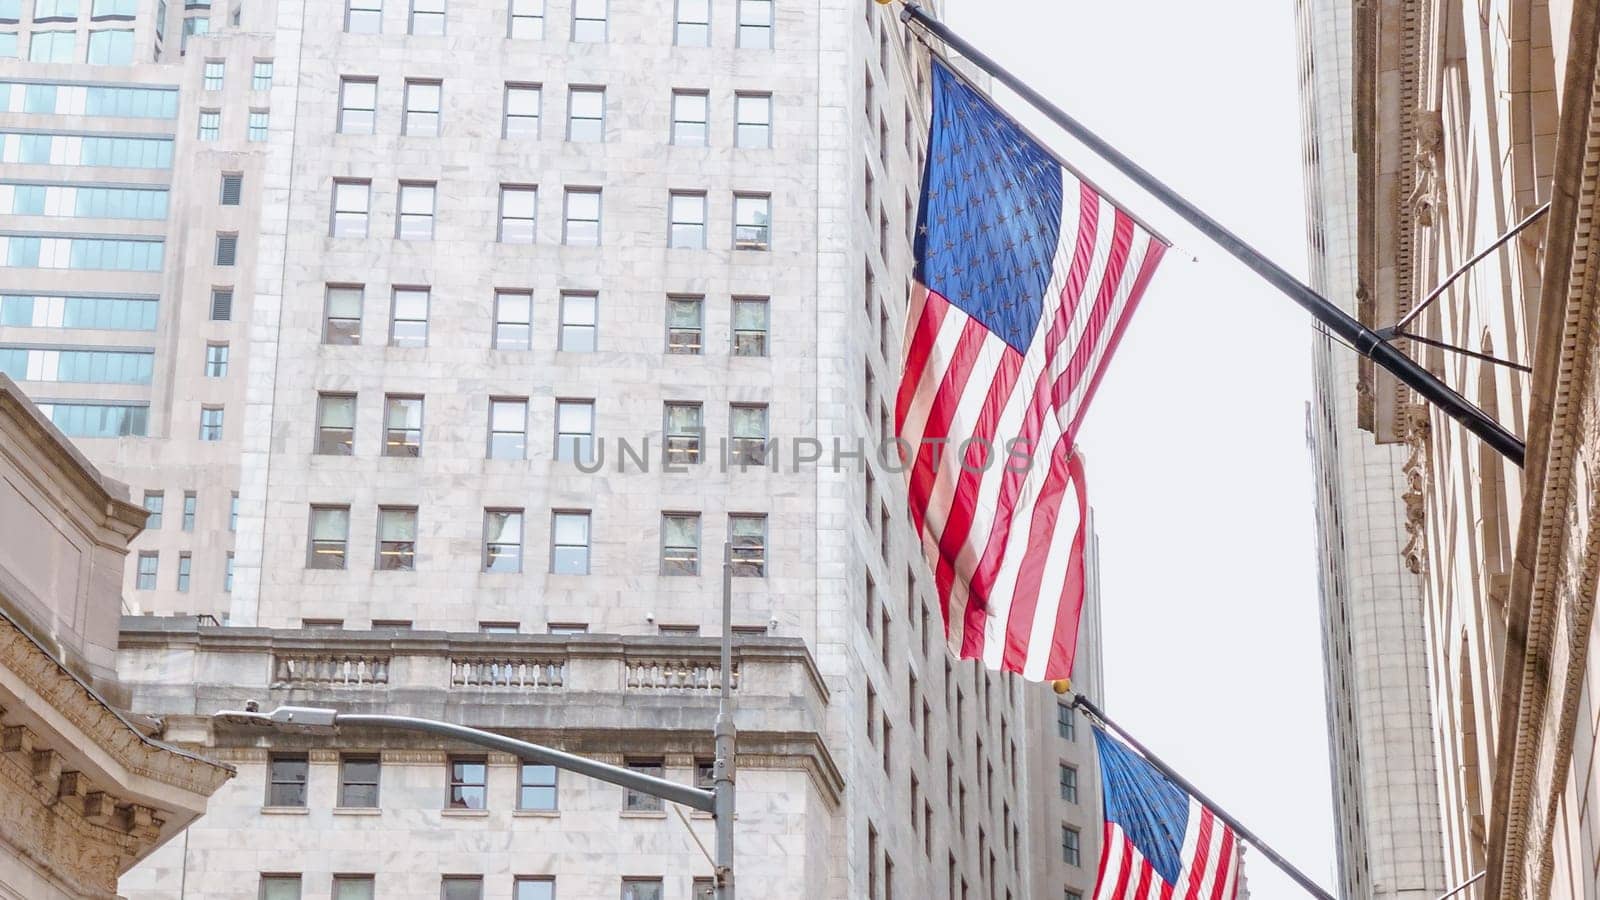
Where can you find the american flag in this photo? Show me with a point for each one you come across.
(1159, 842)
(1025, 280)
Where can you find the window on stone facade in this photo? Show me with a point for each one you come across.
(427, 17)
(534, 887)
(522, 110)
(752, 120)
(149, 562)
(748, 534)
(502, 540)
(154, 502)
(211, 75)
(1070, 842)
(685, 317)
(755, 24)
(527, 20)
(185, 569)
(750, 326)
(586, 114)
(261, 75)
(286, 779)
(342, 318)
(684, 431)
(747, 424)
(1066, 725)
(589, 21)
(680, 543)
(422, 101)
(637, 801)
(468, 780)
(574, 431)
(569, 543)
(409, 320)
(221, 304)
(216, 360)
(190, 505)
(210, 124)
(358, 105)
(641, 889)
(257, 124)
(397, 538)
(210, 423)
(752, 222)
(402, 425)
(692, 23)
(329, 537)
(578, 323)
(358, 780)
(232, 188)
(227, 248)
(582, 218)
(350, 206)
(280, 887)
(461, 887)
(686, 219)
(336, 425)
(227, 573)
(414, 213)
(1069, 783)
(518, 203)
(233, 511)
(690, 111)
(363, 17)
(354, 887)
(508, 428)
(536, 787)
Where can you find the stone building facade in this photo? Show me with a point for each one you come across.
(86, 792)
(477, 247)
(1375, 652)
(1468, 120)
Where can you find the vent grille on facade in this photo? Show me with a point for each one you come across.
(221, 304)
(227, 249)
(232, 187)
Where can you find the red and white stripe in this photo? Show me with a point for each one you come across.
(1210, 871)
(1005, 535)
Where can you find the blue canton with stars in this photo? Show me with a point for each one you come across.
(990, 215)
(1153, 812)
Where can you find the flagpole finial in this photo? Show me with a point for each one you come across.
(1062, 685)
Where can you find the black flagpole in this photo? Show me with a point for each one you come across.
(1249, 837)
(1363, 339)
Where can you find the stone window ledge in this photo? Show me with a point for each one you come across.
(285, 811)
(537, 813)
(464, 813)
(643, 814)
(357, 811)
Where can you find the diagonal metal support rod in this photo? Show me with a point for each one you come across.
(1451, 348)
(1464, 268)
(1367, 342)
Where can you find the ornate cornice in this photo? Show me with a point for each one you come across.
(64, 692)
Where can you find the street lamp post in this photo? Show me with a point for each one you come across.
(718, 801)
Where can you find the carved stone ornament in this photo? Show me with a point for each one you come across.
(1425, 194)
(1415, 496)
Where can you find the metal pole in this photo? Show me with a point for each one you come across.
(1462, 270)
(1462, 886)
(723, 769)
(1365, 341)
(1246, 834)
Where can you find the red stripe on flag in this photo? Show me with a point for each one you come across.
(1064, 643)
(1030, 574)
(940, 414)
(1152, 256)
(1127, 867)
(1105, 856)
(1219, 888)
(1199, 863)
(1147, 874)
(923, 334)
(1116, 262)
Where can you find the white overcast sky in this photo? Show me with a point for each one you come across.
(1196, 454)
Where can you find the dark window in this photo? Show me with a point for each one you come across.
(358, 780)
(639, 802)
(287, 781)
(227, 249)
(221, 304)
(232, 187)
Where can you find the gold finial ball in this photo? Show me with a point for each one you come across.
(1062, 685)
(885, 2)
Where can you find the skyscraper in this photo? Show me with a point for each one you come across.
(1374, 646)
(470, 334)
